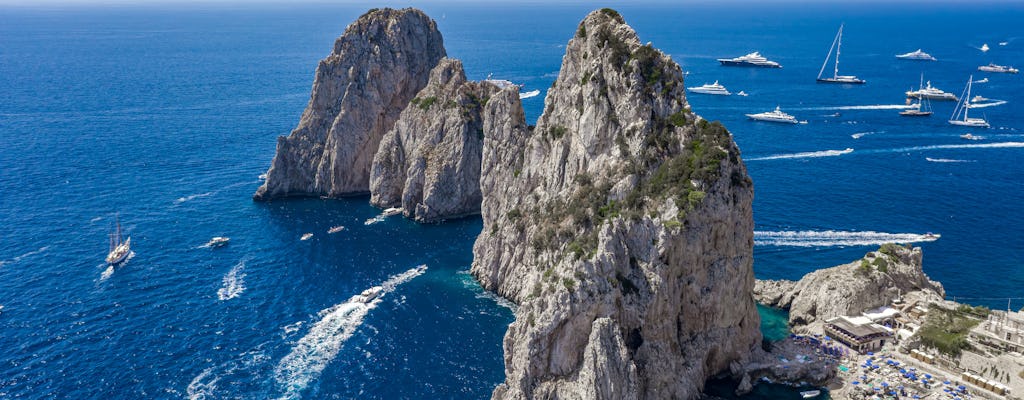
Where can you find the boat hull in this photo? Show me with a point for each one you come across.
(731, 63)
(841, 81)
(712, 92)
(975, 124)
(915, 113)
(778, 121)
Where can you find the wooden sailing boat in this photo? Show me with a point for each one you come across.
(837, 44)
(119, 250)
(961, 108)
(920, 109)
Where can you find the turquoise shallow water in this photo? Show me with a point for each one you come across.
(168, 114)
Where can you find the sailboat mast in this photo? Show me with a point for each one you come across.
(827, 57)
(839, 47)
(967, 99)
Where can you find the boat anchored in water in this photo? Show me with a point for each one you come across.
(916, 55)
(919, 109)
(774, 116)
(1002, 69)
(959, 116)
(119, 249)
(336, 229)
(930, 92)
(710, 88)
(807, 394)
(837, 44)
(306, 236)
(754, 59)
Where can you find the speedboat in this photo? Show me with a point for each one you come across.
(217, 241)
(306, 236)
(526, 95)
(931, 92)
(992, 67)
(754, 59)
(369, 294)
(710, 88)
(916, 55)
(968, 136)
(742, 93)
(119, 250)
(837, 44)
(336, 229)
(982, 80)
(979, 98)
(774, 116)
(807, 394)
(932, 236)
(984, 47)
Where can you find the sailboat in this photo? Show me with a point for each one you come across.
(837, 43)
(119, 250)
(920, 109)
(961, 108)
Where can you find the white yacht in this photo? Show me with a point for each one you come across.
(306, 236)
(774, 116)
(968, 136)
(526, 95)
(369, 294)
(984, 47)
(932, 93)
(754, 59)
(979, 98)
(218, 241)
(992, 67)
(916, 55)
(336, 229)
(959, 116)
(710, 88)
(742, 93)
(837, 44)
(808, 394)
(119, 250)
(500, 83)
(380, 218)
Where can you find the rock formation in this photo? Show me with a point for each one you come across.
(377, 66)
(429, 163)
(850, 289)
(622, 226)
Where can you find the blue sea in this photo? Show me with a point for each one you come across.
(164, 116)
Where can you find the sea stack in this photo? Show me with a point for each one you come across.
(429, 163)
(376, 68)
(621, 225)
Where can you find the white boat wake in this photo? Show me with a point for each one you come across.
(110, 268)
(325, 338)
(809, 154)
(234, 282)
(859, 135)
(192, 197)
(836, 238)
(863, 107)
(23, 256)
(998, 145)
(947, 160)
(993, 103)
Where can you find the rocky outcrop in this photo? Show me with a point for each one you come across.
(849, 289)
(622, 226)
(429, 163)
(377, 66)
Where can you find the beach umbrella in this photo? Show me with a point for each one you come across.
(929, 376)
(945, 382)
(870, 353)
(886, 384)
(855, 383)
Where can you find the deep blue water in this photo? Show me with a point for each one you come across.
(167, 115)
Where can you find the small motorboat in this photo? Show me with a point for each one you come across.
(808, 394)
(526, 95)
(336, 229)
(306, 236)
(390, 212)
(968, 136)
(370, 294)
(742, 93)
(932, 236)
(218, 241)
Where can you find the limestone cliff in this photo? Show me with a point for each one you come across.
(429, 163)
(622, 226)
(377, 66)
(850, 289)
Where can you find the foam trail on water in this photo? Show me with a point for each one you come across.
(192, 197)
(859, 135)
(992, 104)
(809, 154)
(836, 238)
(313, 352)
(999, 145)
(110, 268)
(234, 282)
(864, 107)
(946, 160)
(23, 256)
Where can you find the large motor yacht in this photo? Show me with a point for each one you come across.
(710, 88)
(916, 55)
(754, 59)
(774, 116)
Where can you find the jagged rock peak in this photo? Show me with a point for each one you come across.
(849, 289)
(429, 163)
(376, 67)
(622, 225)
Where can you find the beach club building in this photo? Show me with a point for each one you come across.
(858, 333)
